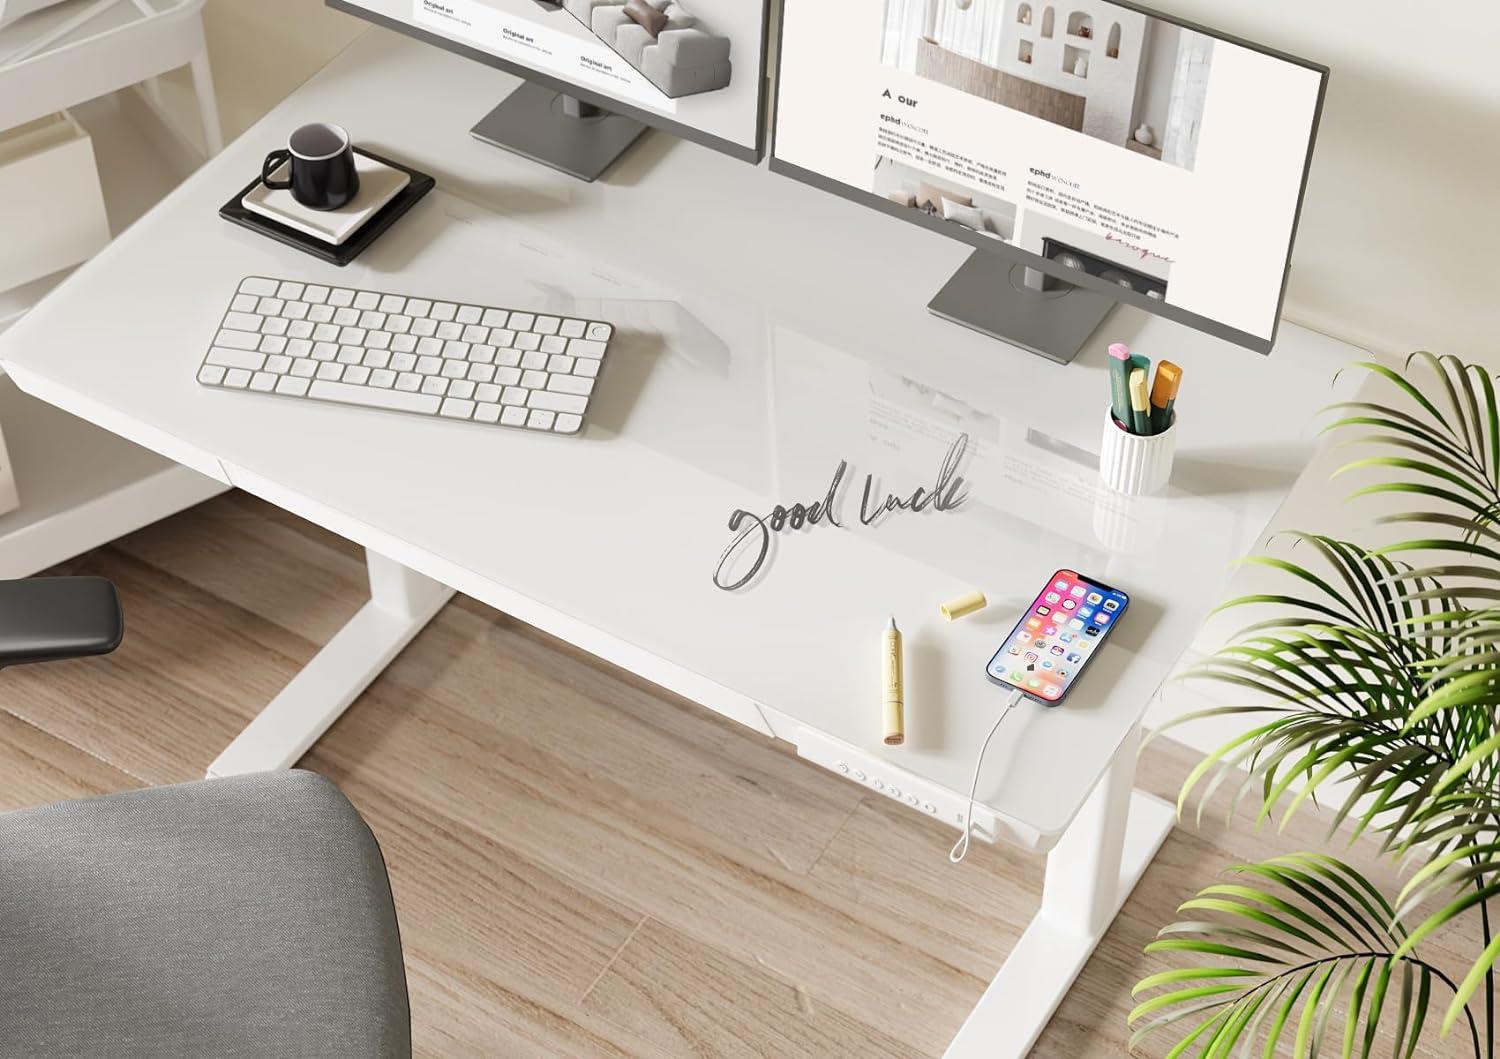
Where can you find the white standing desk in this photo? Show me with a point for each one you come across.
(767, 331)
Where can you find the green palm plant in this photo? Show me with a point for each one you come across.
(1378, 678)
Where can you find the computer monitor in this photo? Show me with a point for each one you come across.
(599, 71)
(1092, 152)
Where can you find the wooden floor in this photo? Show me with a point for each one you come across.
(583, 865)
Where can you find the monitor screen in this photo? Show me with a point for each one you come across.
(1156, 158)
(694, 68)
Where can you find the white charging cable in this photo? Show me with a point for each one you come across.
(961, 847)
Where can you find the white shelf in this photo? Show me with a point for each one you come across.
(80, 486)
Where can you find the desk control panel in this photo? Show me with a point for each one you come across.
(897, 784)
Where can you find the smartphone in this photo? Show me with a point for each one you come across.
(1058, 636)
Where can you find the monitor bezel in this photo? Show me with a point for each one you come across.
(1207, 325)
(679, 129)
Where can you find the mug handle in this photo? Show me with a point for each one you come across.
(270, 165)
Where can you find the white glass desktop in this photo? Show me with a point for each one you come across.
(767, 332)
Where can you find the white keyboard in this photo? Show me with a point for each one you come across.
(403, 354)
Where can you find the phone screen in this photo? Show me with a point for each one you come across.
(1058, 636)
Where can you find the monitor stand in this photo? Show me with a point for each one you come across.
(567, 134)
(1021, 306)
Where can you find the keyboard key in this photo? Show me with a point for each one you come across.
(570, 384)
(418, 307)
(534, 380)
(484, 392)
(376, 358)
(243, 303)
(305, 369)
(242, 321)
(554, 344)
(404, 343)
(378, 340)
(324, 351)
(351, 354)
(326, 332)
(298, 347)
(371, 320)
(521, 321)
(474, 333)
(315, 293)
(546, 325)
(482, 354)
(540, 420)
(295, 310)
(352, 336)
(429, 365)
(321, 314)
(237, 340)
(278, 365)
(584, 347)
(210, 375)
(273, 325)
(468, 314)
(358, 375)
(560, 363)
(346, 317)
(398, 324)
(430, 346)
(392, 303)
(455, 369)
(508, 376)
(272, 344)
(463, 389)
(535, 359)
(236, 358)
(528, 340)
(300, 329)
(369, 396)
(270, 306)
(288, 289)
(487, 412)
(258, 286)
(332, 372)
(293, 385)
(513, 395)
(494, 318)
(423, 327)
(514, 416)
(456, 409)
(383, 377)
(557, 402)
(366, 299)
(443, 311)
(507, 358)
(239, 378)
(408, 382)
(600, 332)
(503, 337)
(586, 368)
(453, 349)
(437, 387)
(403, 361)
(449, 330)
(572, 328)
(567, 423)
(480, 372)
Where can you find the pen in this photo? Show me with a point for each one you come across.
(1119, 382)
(1140, 421)
(1164, 395)
(894, 708)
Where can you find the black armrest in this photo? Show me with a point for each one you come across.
(45, 619)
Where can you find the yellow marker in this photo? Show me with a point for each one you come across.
(1163, 394)
(963, 605)
(894, 712)
(1140, 420)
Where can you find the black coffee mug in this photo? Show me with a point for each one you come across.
(323, 176)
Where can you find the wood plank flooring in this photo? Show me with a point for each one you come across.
(583, 864)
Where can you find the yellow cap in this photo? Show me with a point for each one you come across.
(963, 605)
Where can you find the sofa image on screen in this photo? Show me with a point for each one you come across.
(662, 39)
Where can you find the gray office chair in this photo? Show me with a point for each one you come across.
(249, 916)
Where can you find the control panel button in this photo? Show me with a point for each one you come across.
(859, 775)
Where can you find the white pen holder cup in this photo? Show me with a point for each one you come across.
(1133, 464)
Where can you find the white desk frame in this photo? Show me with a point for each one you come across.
(1100, 843)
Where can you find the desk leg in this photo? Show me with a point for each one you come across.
(1090, 873)
(402, 601)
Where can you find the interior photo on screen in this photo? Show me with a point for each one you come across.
(1096, 68)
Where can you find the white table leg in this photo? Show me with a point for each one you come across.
(1090, 873)
(402, 601)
